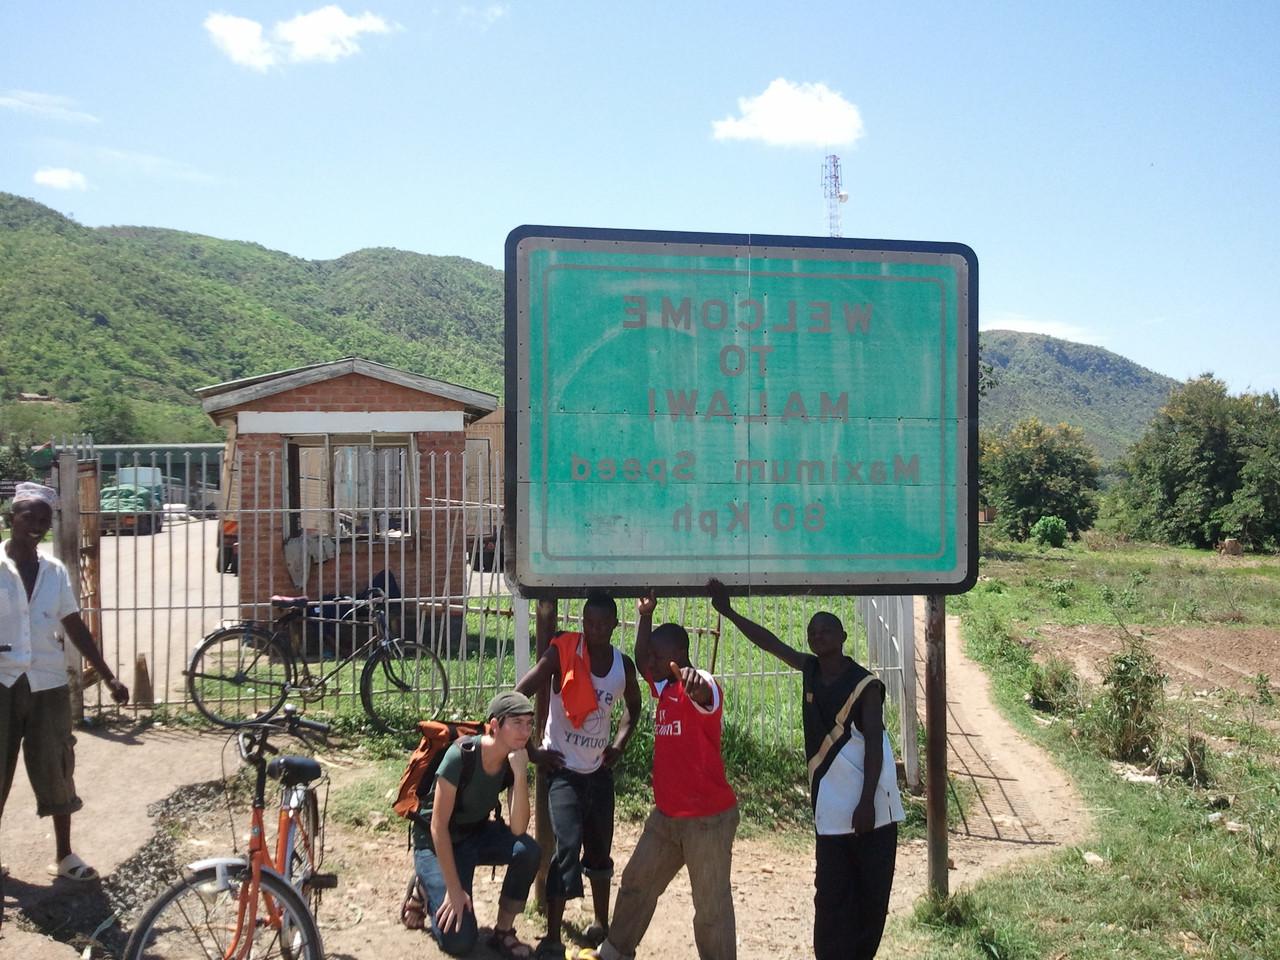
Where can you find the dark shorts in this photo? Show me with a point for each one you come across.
(581, 808)
(39, 724)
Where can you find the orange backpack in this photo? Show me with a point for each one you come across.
(419, 776)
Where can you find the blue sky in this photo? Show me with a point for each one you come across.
(1113, 165)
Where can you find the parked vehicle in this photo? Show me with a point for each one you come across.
(127, 508)
(227, 559)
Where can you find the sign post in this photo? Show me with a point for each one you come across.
(789, 414)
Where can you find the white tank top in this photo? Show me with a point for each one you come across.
(583, 747)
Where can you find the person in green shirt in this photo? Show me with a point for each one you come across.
(467, 831)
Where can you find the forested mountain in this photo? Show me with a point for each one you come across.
(149, 315)
(1110, 398)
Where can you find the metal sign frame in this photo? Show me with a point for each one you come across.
(529, 410)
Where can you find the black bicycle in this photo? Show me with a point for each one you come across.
(244, 673)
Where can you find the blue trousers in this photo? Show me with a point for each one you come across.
(491, 844)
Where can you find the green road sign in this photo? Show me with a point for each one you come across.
(789, 413)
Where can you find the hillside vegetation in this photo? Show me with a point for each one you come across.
(153, 314)
(1108, 397)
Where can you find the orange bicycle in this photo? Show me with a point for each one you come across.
(258, 906)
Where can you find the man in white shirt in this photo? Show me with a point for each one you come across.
(38, 608)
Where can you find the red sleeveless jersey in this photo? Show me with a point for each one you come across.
(688, 770)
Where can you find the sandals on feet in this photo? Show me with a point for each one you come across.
(508, 946)
(71, 867)
(413, 911)
(549, 949)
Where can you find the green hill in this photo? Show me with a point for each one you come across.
(1112, 399)
(151, 314)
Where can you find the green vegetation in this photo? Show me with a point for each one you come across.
(1050, 531)
(1187, 866)
(1034, 471)
(1109, 398)
(147, 315)
(1208, 467)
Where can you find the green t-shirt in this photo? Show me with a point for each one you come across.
(475, 804)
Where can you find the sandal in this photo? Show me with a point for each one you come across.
(507, 945)
(71, 867)
(549, 949)
(413, 911)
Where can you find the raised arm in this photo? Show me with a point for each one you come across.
(644, 626)
(518, 798)
(762, 637)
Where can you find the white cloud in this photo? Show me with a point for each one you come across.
(486, 15)
(46, 105)
(241, 39)
(60, 178)
(1049, 328)
(793, 115)
(326, 34)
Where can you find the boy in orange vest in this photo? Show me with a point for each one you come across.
(586, 677)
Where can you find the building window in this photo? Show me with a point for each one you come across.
(352, 486)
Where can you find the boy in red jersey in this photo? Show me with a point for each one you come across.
(695, 812)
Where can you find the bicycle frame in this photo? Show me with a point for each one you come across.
(381, 638)
(259, 859)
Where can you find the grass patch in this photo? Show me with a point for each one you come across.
(1186, 869)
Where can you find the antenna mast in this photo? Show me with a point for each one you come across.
(832, 190)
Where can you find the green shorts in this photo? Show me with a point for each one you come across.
(39, 723)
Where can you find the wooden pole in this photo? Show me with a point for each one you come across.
(935, 699)
(546, 621)
(66, 547)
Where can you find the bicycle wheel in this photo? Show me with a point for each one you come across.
(239, 675)
(198, 917)
(401, 684)
(305, 845)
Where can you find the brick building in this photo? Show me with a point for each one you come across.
(336, 472)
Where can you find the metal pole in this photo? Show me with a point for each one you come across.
(909, 713)
(935, 698)
(545, 627)
(520, 643)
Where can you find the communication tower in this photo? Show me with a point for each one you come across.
(834, 193)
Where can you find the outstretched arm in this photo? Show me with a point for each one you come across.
(537, 681)
(762, 637)
(79, 635)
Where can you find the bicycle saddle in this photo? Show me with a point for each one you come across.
(279, 601)
(291, 771)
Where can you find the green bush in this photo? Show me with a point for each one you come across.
(1049, 531)
(1126, 719)
(1055, 687)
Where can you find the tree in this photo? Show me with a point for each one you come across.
(1207, 467)
(1035, 471)
(13, 460)
(109, 417)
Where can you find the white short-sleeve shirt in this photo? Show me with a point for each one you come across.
(34, 628)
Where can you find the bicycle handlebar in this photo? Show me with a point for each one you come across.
(251, 739)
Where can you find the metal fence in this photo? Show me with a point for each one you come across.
(156, 580)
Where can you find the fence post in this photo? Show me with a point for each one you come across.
(66, 547)
(935, 719)
(910, 718)
(548, 614)
(520, 615)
